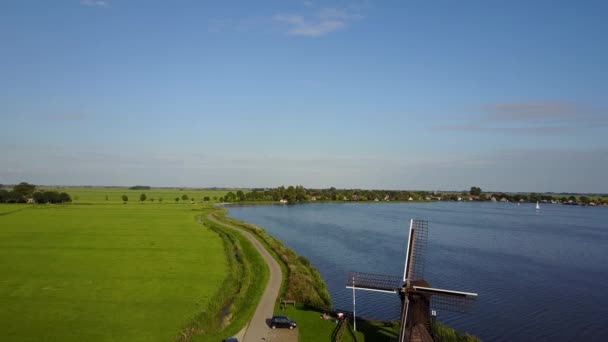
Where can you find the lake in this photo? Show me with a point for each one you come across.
(539, 275)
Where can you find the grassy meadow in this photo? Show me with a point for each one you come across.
(114, 195)
(107, 271)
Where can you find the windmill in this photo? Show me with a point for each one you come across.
(417, 297)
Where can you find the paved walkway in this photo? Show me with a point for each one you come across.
(257, 329)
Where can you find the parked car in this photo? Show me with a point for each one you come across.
(282, 322)
(231, 339)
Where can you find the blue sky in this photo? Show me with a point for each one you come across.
(435, 95)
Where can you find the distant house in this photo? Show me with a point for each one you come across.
(459, 198)
(410, 199)
(493, 199)
(284, 201)
(30, 201)
(386, 198)
(313, 198)
(504, 199)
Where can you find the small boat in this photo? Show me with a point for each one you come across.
(537, 206)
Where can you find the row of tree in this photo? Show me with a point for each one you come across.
(25, 192)
(144, 197)
(299, 194)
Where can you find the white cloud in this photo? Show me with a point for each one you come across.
(325, 21)
(95, 3)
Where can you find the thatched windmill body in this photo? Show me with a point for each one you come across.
(417, 297)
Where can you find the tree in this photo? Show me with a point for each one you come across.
(106, 197)
(176, 199)
(184, 197)
(240, 195)
(4, 195)
(230, 197)
(475, 191)
(206, 198)
(160, 200)
(39, 197)
(51, 197)
(290, 194)
(24, 189)
(64, 197)
(142, 197)
(125, 199)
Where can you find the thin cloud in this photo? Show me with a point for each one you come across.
(325, 21)
(95, 3)
(536, 130)
(533, 118)
(65, 117)
(536, 111)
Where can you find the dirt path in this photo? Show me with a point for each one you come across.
(257, 329)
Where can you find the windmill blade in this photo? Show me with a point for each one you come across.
(416, 250)
(403, 333)
(408, 252)
(373, 282)
(449, 300)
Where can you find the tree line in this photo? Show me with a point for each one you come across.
(299, 194)
(27, 193)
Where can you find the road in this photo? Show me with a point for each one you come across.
(257, 329)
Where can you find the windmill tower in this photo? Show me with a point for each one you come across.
(417, 296)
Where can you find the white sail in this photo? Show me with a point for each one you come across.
(537, 206)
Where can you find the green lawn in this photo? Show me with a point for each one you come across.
(114, 195)
(6, 209)
(135, 272)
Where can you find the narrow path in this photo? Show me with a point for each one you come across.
(257, 329)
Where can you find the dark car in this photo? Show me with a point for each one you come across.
(232, 339)
(282, 322)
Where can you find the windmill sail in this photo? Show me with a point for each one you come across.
(373, 282)
(416, 250)
(402, 329)
(448, 300)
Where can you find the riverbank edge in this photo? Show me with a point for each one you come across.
(385, 328)
(292, 265)
(234, 304)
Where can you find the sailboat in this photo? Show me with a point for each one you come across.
(537, 206)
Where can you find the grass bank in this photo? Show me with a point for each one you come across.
(240, 293)
(302, 282)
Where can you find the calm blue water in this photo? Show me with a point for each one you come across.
(540, 275)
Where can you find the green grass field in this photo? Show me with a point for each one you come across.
(114, 195)
(135, 272)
